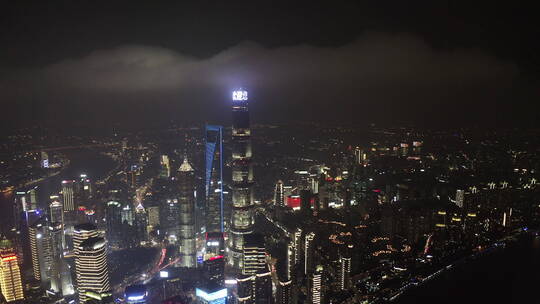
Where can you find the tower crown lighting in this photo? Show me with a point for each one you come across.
(240, 95)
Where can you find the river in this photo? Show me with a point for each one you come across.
(88, 161)
(510, 275)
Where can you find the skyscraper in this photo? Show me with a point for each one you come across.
(10, 274)
(214, 178)
(82, 232)
(91, 267)
(309, 252)
(345, 268)
(242, 219)
(315, 286)
(213, 270)
(211, 294)
(186, 202)
(284, 294)
(56, 215)
(254, 255)
(67, 194)
(255, 285)
(165, 171)
(40, 248)
(141, 223)
(113, 216)
(279, 198)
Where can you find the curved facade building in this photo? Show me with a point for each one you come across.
(242, 219)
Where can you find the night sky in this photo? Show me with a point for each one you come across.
(427, 63)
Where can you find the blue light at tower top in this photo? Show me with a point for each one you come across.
(239, 95)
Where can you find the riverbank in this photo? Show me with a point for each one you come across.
(503, 273)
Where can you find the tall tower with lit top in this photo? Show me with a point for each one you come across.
(242, 219)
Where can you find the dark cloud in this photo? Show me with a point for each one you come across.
(377, 72)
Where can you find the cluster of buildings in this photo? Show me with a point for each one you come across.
(355, 227)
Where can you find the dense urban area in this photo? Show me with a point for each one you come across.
(253, 213)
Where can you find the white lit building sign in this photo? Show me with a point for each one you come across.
(239, 95)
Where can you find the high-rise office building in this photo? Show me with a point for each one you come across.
(26, 200)
(284, 294)
(211, 294)
(127, 214)
(165, 163)
(56, 212)
(113, 219)
(315, 286)
(170, 218)
(279, 198)
(254, 254)
(214, 270)
(153, 216)
(309, 252)
(91, 267)
(82, 232)
(242, 218)
(56, 216)
(68, 195)
(60, 274)
(141, 223)
(255, 285)
(345, 268)
(215, 244)
(186, 202)
(41, 249)
(10, 274)
(214, 179)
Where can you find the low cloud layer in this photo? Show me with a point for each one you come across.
(377, 71)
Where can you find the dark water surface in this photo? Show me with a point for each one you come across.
(510, 275)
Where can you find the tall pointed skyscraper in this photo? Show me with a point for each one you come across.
(242, 219)
(186, 202)
(214, 179)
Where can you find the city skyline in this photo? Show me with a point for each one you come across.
(254, 153)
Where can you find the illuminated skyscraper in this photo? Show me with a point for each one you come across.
(40, 248)
(315, 286)
(10, 274)
(186, 202)
(56, 215)
(242, 219)
(284, 294)
(255, 286)
(279, 198)
(309, 252)
(113, 216)
(91, 267)
(214, 178)
(211, 294)
(345, 268)
(141, 223)
(68, 195)
(213, 270)
(165, 171)
(254, 254)
(82, 232)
